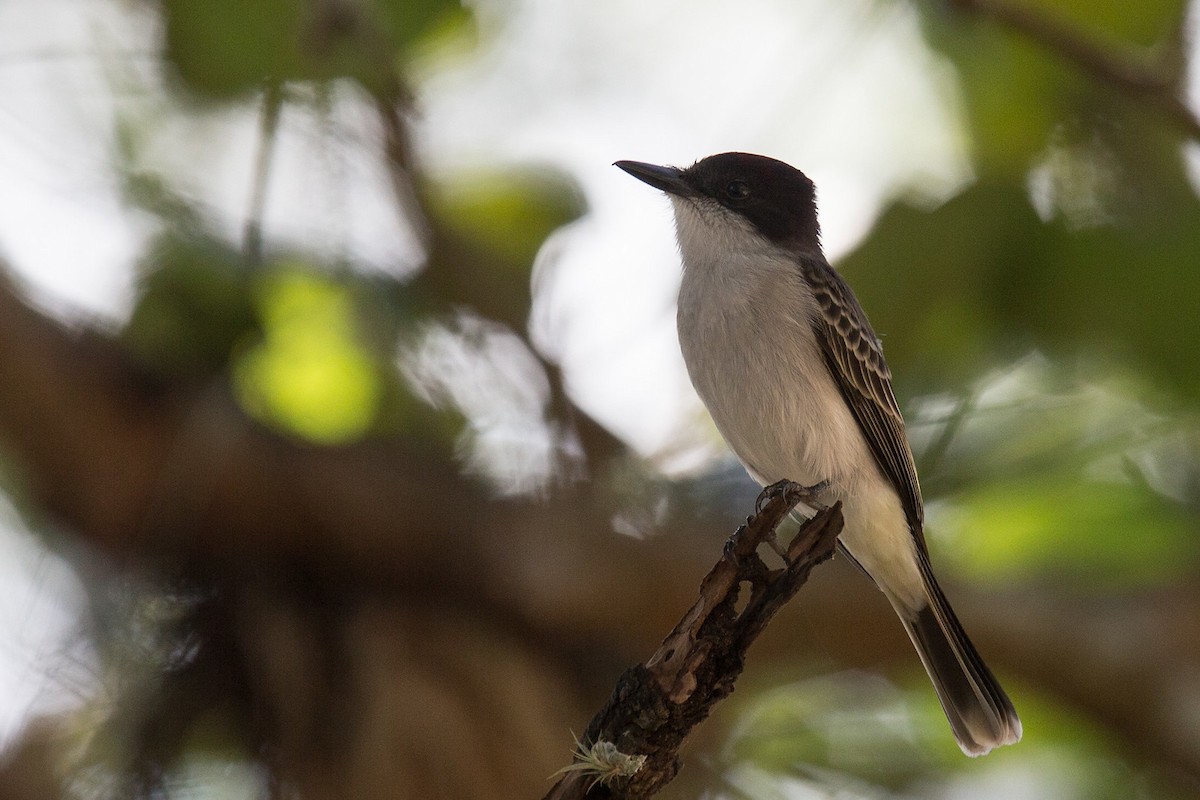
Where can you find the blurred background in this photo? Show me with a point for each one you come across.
(345, 445)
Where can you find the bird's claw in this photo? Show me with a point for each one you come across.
(769, 493)
(814, 491)
(784, 487)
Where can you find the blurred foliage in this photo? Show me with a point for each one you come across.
(489, 228)
(311, 345)
(862, 737)
(1017, 94)
(980, 280)
(843, 722)
(195, 304)
(1078, 531)
(1123, 279)
(507, 214)
(221, 49)
(1043, 479)
(309, 372)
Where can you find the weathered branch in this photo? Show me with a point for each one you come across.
(630, 748)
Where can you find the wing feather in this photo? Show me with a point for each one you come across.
(855, 358)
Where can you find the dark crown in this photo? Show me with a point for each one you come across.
(776, 198)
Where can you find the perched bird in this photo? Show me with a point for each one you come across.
(787, 364)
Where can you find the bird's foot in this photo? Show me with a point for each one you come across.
(809, 494)
(786, 487)
(792, 492)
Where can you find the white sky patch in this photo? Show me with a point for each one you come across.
(1191, 150)
(62, 227)
(327, 192)
(44, 664)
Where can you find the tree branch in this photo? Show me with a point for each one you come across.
(630, 748)
(268, 138)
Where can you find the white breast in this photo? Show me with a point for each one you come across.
(745, 327)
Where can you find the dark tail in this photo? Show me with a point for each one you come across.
(980, 713)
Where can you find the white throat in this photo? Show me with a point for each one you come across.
(712, 238)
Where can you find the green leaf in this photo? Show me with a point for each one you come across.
(1116, 24)
(510, 212)
(310, 374)
(193, 307)
(1017, 91)
(937, 284)
(1092, 535)
(489, 228)
(982, 279)
(407, 22)
(225, 48)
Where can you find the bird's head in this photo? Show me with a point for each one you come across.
(774, 199)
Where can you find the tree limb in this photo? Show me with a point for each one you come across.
(630, 748)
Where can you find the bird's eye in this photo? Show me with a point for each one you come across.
(737, 190)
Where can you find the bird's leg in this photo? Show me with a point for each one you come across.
(805, 494)
(769, 493)
(810, 493)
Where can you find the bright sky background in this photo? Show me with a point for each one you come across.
(845, 91)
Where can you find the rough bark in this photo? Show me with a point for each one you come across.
(631, 747)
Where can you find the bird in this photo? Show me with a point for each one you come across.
(785, 360)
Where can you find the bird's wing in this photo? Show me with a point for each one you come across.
(855, 358)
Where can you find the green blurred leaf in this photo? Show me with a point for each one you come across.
(1114, 23)
(1054, 473)
(1093, 535)
(853, 734)
(489, 228)
(1014, 93)
(510, 213)
(1107, 267)
(193, 307)
(851, 722)
(1129, 289)
(224, 48)
(938, 284)
(407, 22)
(1018, 92)
(982, 279)
(310, 374)
(856, 735)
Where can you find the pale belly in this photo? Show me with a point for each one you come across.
(775, 403)
(766, 385)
